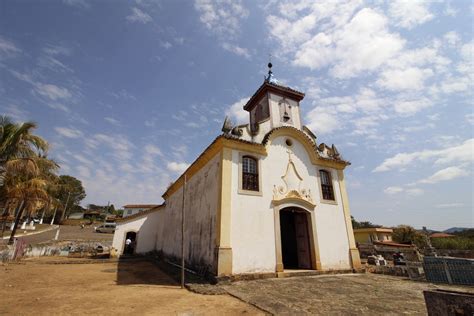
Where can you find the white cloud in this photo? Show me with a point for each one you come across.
(68, 132)
(54, 50)
(84, 172)
(240, 51)
(414, 191)
(449, 10)
(52, 91)
(112, 121)
(397, 190)
(411, 78)
(139, 16)
(446, 174)
(77, 3)
(361, 45)
(53, 64)
(123, 94)
(470, 118)
(322, 121)
(153, 150)
(411, 106)
(393, 190)
(221, 17)
(166, 45)
(456, 154)
(452, 38)
(7, 48)
(410, 13)
(16, 113)
(237, 113)
(449, 205)
(58, 106)
(177, 167)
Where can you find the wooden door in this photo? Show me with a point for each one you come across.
(302, 241)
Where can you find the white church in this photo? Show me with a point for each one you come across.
(263, 197)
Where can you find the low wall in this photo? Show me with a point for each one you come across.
(442, 302)
(64, 248)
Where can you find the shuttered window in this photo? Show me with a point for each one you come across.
(249, 173)
(326, 185)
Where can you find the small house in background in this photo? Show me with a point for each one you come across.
(92, 214)
(378, 240)
(369, 235)
(441, 235)
(132, 209)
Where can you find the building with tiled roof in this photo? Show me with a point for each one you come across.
(132, 209)
(261, 198)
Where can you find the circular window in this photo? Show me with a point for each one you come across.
(288, 142)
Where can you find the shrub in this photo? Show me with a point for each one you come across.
(457, 243)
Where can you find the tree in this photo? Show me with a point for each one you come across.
(23, 183)
(22, 158)
(405, 234)
(356, 224)
(18, 142)
(70, 193)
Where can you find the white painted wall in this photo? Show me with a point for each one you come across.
(146, 233)
(127, 211)
(202, 192)
(274, 99)
(252, 233)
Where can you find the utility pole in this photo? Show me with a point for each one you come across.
(55, 210)
(65, 206)
(182, 233)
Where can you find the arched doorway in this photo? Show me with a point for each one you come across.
(130, 243)
(295, 238)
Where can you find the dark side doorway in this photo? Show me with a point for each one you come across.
(130, 243)
(295, 244)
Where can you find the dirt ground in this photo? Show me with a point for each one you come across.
(56, 286)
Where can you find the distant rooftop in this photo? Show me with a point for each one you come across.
(374, 230)
(140, 205)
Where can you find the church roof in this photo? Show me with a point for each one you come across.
(279, 89)
(330, 156)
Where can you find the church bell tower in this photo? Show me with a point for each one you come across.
(274, 105)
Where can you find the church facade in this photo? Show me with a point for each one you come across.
(262, 197)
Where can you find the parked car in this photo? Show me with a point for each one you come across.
(106, 228)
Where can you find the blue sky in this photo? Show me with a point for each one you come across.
(129, 93)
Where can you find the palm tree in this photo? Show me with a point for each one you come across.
(24, 170)
(25, 184)
(17, 141)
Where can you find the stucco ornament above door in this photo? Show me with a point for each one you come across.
(290, 187)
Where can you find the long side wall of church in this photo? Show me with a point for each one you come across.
(201, 202)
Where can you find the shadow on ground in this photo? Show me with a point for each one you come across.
(135, 271)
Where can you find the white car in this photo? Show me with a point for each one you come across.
(106, 228)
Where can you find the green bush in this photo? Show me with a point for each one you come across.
(458, 243)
